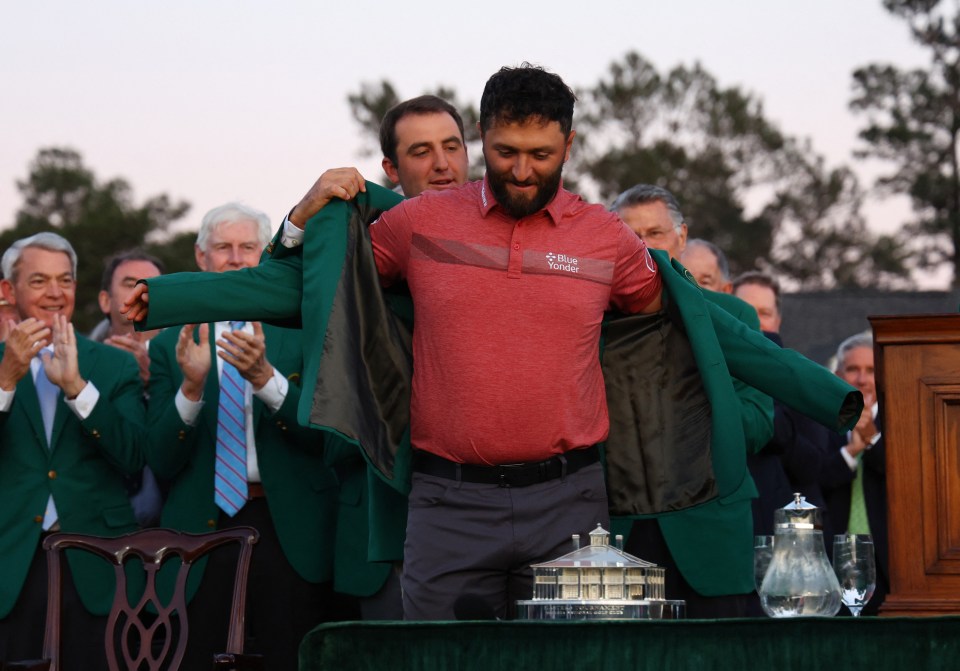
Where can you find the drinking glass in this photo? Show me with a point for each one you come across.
(853, 562)
(762, 554)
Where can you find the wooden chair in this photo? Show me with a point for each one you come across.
(154, 644)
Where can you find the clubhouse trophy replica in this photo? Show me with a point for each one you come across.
(599, 582)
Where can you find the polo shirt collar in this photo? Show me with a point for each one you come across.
(554, 208)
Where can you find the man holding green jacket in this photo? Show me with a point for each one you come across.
(373, 409)
(722, 559)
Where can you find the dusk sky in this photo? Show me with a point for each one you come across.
(216, 100)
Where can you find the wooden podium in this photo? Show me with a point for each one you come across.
(918, 384)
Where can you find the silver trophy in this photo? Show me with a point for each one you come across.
(599, 582)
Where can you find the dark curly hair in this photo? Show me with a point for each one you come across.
(517, 94)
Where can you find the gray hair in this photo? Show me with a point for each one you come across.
(49, 241)
(718, 254)
(648, 193)
(864, 339)
(229, 213)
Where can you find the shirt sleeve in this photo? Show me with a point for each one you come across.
(187, 409)
(391, 236)
(274, 391)
(83, 404)
(851, 461)
(636, 278)
(291, 236)
(6, 399)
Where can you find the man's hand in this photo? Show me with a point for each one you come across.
(6, 327)
(866, 428)
(342, 183)
(135, 307)
(137, 348)
(194, 360)
(62, 368)
(247, 353)
(863, 432)
(24, 340)
(856, 445)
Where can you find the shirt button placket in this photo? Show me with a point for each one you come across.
(515, 267)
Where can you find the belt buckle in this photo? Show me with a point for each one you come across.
(503, 470)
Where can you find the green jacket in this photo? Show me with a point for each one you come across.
(83, 471)
(706, 494)
(691, 475)
(371, 516)
(756, 408)
(371, 522)
(301, 490)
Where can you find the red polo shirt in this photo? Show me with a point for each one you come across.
(508, 312)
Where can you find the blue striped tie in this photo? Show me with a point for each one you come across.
(230, 473)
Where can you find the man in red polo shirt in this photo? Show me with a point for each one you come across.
(510, 277)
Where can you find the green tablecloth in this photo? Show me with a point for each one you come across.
(832, 644)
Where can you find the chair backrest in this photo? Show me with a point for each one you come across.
(157, 643)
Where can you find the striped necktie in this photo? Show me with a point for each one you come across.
(230, 472)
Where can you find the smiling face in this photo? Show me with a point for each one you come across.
(43, 285)
(525, 163)
(431, 155)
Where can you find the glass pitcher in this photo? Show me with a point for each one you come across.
(800, 581)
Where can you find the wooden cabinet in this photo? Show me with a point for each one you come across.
(918, 384)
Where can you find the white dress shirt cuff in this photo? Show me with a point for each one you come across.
(83, 404)
(291, 236)
(187, 409)
(851, 461)
(6, 399)
(274, 392)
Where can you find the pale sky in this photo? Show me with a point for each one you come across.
(217, 100)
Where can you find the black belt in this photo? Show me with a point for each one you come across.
(507, 475)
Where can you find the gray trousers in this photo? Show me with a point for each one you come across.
(474, 543)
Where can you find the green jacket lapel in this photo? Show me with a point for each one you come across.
(86, 363)
(338, 393)
(211, 388)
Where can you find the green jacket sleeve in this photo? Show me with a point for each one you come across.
(786, 375)
(270, 292)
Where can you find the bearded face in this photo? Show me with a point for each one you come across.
(525, 163)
